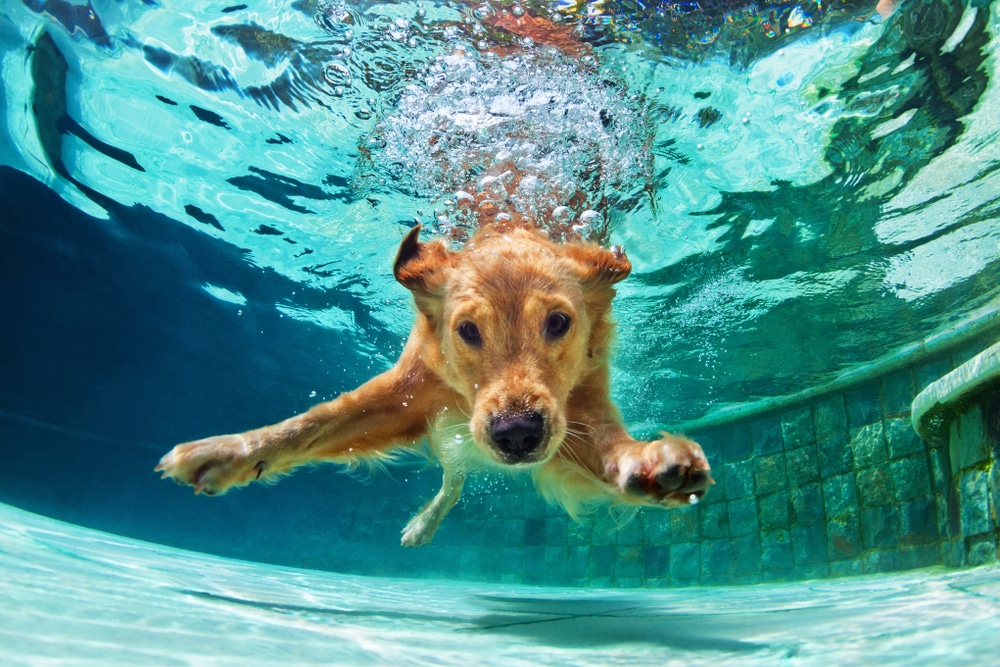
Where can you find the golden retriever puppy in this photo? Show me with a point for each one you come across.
(506, 368)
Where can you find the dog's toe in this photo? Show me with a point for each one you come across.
(671, 479)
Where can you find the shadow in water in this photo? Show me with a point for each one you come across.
(597, 621)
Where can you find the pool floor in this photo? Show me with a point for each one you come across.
(70, 595)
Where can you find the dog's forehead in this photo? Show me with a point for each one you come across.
(509, 258)
(511, 268)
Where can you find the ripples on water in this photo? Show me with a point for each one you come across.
(802, 186)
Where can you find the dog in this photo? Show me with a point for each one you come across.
(506, 368)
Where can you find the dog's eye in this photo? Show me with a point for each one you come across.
(556, 325)
(470, 333)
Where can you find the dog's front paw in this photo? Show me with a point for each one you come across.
(672, 471)
(213, 465)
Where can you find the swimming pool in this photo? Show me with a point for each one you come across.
(201, 207)
(74, 595)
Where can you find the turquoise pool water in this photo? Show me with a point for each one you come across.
(199, 208)
(76, 596)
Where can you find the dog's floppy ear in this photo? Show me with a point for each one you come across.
(599, 267)
(422, 268)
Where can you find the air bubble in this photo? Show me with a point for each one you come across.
(337, 74)
(534, 118)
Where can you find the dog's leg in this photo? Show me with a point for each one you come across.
(390, 410)
(422, 527)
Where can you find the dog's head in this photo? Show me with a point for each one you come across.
(514, 324)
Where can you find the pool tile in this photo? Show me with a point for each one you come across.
(631, 533)
(716, 562)
(513, 532)
(743, 516)
(738, 479)
(797, 428)
(807, 505)
(747, 557)
(577, 561)
(629, 565)
(769, 473)
(776, 551)
(901, 438)
(809, 545)
(602, 561)
(875, 487)
(982, 550)
(830, 417)
(835, 456)
(556, 529)
(868, 444)
(974, 492)
(840, 496)
(656, 561)
(655, 527)
(685, 563)
(684, 523)
(919, 521)
(534, 569)
(579, 533)
(967, 438)
(802, 466)
(864, 407)
(897, 392)
(843, 538)
(714, 520)
(911, 477)
(736, 444)
(880, 528)
(765, 433)
(924, 555)
(773, 511)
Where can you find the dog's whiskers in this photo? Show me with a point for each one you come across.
(592, 429)
(569, 452)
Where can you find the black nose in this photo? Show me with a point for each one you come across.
(518, 435)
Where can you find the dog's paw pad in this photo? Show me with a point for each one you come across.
(212, 466)
(672, 471)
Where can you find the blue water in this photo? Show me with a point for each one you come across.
(201, 203)
(76, 596)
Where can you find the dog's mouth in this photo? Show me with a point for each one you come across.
(519, 438)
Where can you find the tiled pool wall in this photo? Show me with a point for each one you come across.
(970, 525)
(839, 485)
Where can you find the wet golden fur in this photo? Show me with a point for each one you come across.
(511, 332)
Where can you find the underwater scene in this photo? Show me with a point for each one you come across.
(201, 206)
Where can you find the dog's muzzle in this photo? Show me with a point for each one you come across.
(518, 436)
